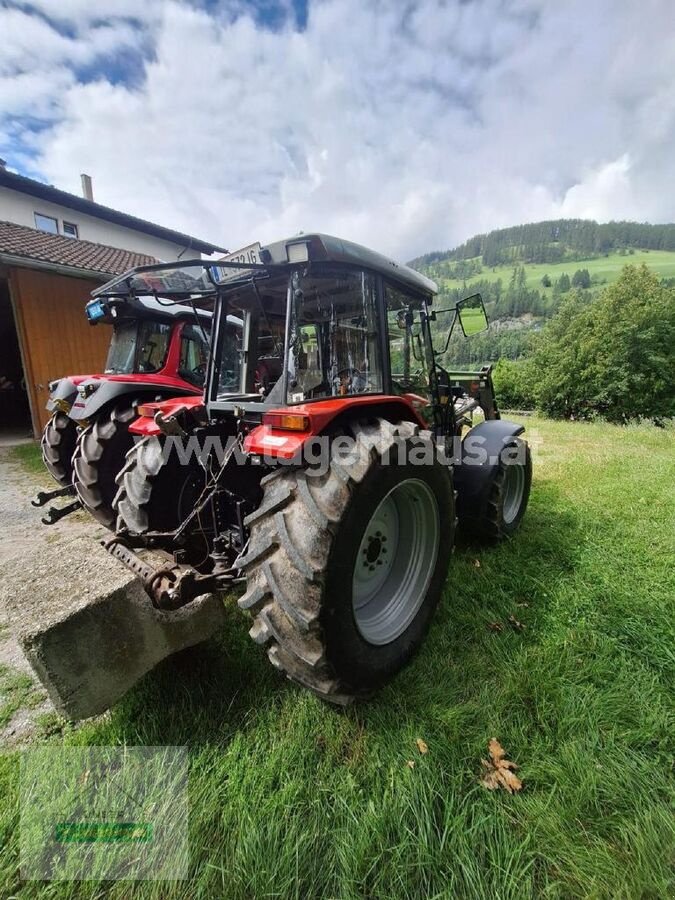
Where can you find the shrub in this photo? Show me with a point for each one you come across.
(514, 384)
(612, 357)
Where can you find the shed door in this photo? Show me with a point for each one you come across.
(55, 336)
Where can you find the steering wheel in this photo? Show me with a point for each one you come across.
(199, 371)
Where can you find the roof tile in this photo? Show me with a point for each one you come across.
(18, 240)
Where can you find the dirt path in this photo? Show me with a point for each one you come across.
(23, 702)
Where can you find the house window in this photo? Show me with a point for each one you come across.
(46, 223)
(70, 229)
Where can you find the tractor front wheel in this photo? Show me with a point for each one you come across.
(99, 456)
(508, 491)
(58, 445)
(344, 570)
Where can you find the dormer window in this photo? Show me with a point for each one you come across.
(46, 223)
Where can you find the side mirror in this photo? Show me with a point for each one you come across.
(472, 315)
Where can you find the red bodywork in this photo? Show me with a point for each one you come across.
(145, 424)
(281, 443)
(165, 377)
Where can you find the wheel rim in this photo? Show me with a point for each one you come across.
(395, 562)
(514, 487)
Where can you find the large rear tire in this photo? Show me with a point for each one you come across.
(156, 492)
(99, 456)
(58, 445)
(344, 570)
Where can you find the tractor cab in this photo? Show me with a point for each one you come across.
(151, 338)
(320, 320)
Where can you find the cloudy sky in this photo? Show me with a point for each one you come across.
(407, 126)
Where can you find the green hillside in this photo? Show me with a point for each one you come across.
(525, 272)
(603, 269)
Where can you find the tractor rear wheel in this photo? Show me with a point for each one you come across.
(157, 491)
(58, 445)
(99, 456)
(344, 570)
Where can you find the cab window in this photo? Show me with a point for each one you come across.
(153, 346)
(193, 355)
(409, 365)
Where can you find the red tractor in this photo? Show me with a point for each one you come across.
(157, 350)
(331, 488)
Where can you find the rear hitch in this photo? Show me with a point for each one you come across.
(171, 586)
(56, 513)
(43, 497)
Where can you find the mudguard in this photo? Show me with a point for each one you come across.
(480, 459)
(267, 440)
(94, 394)
(62, 396)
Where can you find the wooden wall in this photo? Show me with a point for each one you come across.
(54, 335)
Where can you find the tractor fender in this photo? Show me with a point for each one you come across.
(62, 395)
(480, 459)
(95, 394)
(277, 443)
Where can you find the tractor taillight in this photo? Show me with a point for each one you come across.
(287, 421)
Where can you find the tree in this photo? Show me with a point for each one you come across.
(581, 279)
(546, 281)
(563, 283)
(613, 356)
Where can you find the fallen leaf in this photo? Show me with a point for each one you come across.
(515, 624)
(524, 603)
(421, 746)
(495, 626)
(476, 563)
(497, 771)
(410, 764)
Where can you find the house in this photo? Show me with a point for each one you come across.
(48, 209)
(55, 248)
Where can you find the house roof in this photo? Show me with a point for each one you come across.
(17, 242)
(53, 195)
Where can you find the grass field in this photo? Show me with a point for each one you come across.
(292, 799)
(605, 269)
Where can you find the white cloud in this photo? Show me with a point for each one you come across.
(603, 190)
(406, 127)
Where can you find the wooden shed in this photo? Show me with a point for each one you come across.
(45, 281)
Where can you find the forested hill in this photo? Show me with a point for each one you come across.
(524, 274)
(555, 242)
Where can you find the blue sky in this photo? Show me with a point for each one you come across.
(405, 125)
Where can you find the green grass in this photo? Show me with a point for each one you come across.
(606, 269)
(292, 799)
(30, 457)
(17, 691)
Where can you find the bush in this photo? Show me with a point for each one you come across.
(514, 384)
(611, 357)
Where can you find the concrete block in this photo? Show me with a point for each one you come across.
(88, 628)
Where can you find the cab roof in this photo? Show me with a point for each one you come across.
(198, 278)
(327, 248)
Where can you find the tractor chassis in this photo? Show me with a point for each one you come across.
(173, 585)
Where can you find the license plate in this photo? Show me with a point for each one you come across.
(247, 256)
